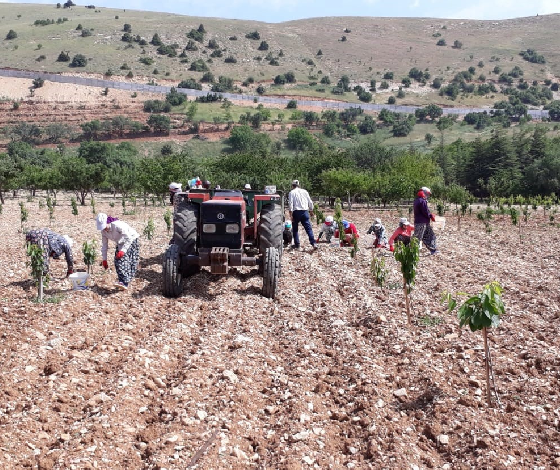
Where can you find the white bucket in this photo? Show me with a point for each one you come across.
(79, 281)
(439, 224)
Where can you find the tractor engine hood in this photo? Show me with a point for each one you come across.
(222, 223)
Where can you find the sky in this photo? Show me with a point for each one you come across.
(274, 11)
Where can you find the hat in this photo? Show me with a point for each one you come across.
(426, 190)
(69, 241)
(329, 219)
(101, 221)
(175, 187)
(377, 221)
(404, 221)
(346, 224)
(295, 183)
(421, 194)
(288, 224)
(247, 186)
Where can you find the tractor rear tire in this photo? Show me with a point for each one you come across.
(185, 232)
(172, 275)
(271, 228)
(271, 272)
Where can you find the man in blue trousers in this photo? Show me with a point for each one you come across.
(301, 208)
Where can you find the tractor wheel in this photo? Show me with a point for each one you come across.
(185, 232)
(271, 228)
(271, 272)
(172, 276)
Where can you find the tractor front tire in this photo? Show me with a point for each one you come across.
(185, 232)
(271, 272)
(172, 276)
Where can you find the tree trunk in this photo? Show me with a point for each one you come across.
(487, 364)
(2, 197)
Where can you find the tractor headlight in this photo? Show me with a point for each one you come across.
(232, 228)
(209, 228)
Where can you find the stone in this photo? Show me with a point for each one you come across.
(308, 460)
(237, 452)
(200, 414)
(400, 393)
(230, 375)
(443, 439)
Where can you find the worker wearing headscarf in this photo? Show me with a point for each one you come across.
(53, 245)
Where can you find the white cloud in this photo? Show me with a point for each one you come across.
(415, 4)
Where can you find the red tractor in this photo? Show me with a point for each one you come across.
(222, 228)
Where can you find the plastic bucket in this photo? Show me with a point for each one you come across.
(439, 224)
(79, 281)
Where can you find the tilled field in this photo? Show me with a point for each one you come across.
(327, 375)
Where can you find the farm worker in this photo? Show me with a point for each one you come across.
(328, 228)
(287, 233)
(301, 206)
(174, 188)
(127, 252)
(217, 187)
(350, 232)
(206, 184)
(379, 233)
(53, 246)
(422, 216)
(247, 186)
(402, 233)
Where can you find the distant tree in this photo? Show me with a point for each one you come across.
(201, 29)
(253, 35)
(457, 44)
(198, 66)
(388, 75)
(290, 77)
(86, 33)
(441, 42)
(554, 110)
(260, 89)
(280, 80)
(391, 100)
(11, 35)
(437, 83)
(79, 60)
(38, 82)
(127, 28)
(326, 80)
(343, 39)
(263, 46)
(213, 44)
(156, 40)
(299, 138)
(159, 123)
(319, 52)
(230, 60)
(406, 82)
(196, 35)
(292, 104)
(191, 46)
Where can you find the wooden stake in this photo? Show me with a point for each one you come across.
(487, 364)
(40, 288)
(407, 301)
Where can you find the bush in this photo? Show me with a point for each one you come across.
(388, 75)
(292, 104)
(441, 42)
(196, 35)
(531, 55)
(199, 66)
(391, 100)
(325, 80)
(146, 60)
(190, 83)
(213, 44)
(230, 60)
(156, 106)
(254, 35)
(63, 57)
(86, 33)
(79, 60)
(263, 46)
(457, 44)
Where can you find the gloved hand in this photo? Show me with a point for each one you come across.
(392, 248)
(316, 240)
(120, 254)
(433, 217)
(70, 271)
(104, 264)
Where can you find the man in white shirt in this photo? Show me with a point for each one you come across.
(301, 206)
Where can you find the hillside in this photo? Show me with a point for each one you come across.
(373, 45)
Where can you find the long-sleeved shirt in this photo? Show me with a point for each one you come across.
(52, 244)
(299, 200)
(350, 230)
(422, 214)
(119, 232)
(380, 234)
(328, 230)
(405, 231)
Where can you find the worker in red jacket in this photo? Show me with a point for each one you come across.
(402, 233)
(350, 232)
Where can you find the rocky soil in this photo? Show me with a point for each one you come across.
(327, 375)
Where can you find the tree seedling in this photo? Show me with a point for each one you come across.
(150, 229)
(89, 250)
(50, 206)
(92, 204)
(74, 206)
(408, 256)
(168, 217)
(319, 215)
(338, 218)
(355, 248)
(378, 271)
(480, 312)
(37, 264)
(24, 214)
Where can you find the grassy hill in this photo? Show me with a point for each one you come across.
(372, 47)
